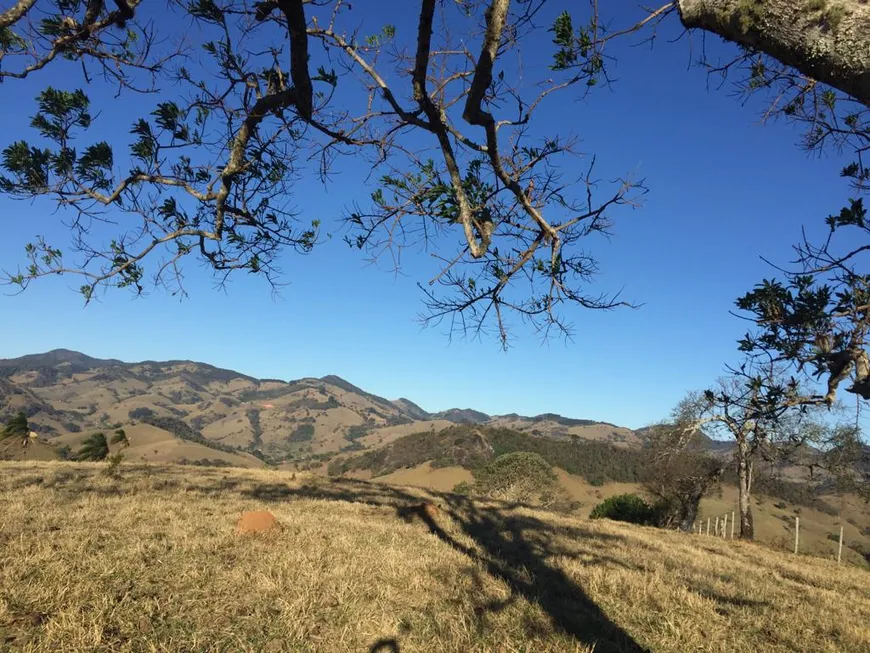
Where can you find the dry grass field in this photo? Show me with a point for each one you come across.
(149, 561)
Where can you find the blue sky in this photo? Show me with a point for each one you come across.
(724, 189)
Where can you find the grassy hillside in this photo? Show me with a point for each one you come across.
(149, 561)
(14, 449)
(155, 445)
(774, 517)
(472, 446)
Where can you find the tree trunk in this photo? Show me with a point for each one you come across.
(827, 40)
(744, 489)
(690, 513)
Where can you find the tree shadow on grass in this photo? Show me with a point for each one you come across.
(728, 601)
(385, 646)
(511, 547)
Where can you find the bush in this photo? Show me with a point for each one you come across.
(303, 433)
(141, 413)
(519, 476)
(253, 415)
(357, 431)
(625, 507)
(112, 464)
(463, 488)
(519, 467)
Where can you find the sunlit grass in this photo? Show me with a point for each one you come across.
(150, 562)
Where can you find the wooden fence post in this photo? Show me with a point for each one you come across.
(725, 527)
(716, 529)
(840, 549)
(732, 524)
(708, 525)
(797, 533)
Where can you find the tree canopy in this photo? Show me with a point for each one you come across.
(246, 101)
(17, 427)
(95, 447)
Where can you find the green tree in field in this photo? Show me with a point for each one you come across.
(17, 427)
(625, 507)
(95, 447)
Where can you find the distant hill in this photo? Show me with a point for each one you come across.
(66, 392)
(471, 446)
(412, 410)
(72, 361)
(463, 416)
(558, 427)
(310, 419)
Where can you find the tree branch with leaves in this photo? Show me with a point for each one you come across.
(212, 167)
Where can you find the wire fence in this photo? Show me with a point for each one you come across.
(725, 527)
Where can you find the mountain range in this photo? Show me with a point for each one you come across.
(67, 395)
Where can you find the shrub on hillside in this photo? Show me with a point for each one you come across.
(303, 433)
(357, 431)
(519, 476)
(519, 467)
(463, 487)
(142, 413)
(253, 415)
(113, 462)
(625, 507)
